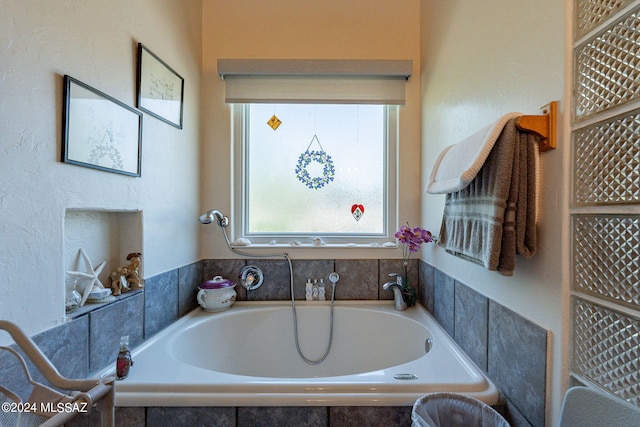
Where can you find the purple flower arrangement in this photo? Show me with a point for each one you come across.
(412, 239)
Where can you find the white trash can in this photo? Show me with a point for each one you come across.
(454, 410)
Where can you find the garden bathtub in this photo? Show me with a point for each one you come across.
(247, 356)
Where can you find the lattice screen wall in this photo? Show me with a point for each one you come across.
(605, 210)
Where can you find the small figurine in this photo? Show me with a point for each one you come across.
(127, 277)
(119, 281)
(133, 271)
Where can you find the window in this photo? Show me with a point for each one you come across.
(327, 170)
(315, 146)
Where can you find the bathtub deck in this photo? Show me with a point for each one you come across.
(159, 378)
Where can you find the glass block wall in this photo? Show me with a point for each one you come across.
(605, 209)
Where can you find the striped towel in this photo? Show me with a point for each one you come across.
(494, 217)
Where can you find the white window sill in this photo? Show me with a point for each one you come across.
(385, 245)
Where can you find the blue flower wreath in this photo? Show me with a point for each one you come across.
(315, 156)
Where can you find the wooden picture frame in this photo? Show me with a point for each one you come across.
(160, 88)
(100, 132)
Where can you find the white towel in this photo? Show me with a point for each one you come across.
(458, 164)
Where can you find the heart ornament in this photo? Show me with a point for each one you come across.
(357, 211)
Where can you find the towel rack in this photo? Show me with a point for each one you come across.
(543, 125)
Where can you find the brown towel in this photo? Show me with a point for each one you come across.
(494, 217)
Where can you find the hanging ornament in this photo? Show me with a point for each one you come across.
(320, 156)
(357, 211)
(274, 122)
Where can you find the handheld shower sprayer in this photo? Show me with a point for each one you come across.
(212, 215)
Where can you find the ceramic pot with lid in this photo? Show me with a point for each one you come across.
(217, 294)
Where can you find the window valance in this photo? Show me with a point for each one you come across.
(315, 81)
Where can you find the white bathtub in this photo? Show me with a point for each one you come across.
(247, 356)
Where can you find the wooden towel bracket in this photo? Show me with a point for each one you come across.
(543, 125)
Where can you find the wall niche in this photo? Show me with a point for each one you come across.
(105, 236)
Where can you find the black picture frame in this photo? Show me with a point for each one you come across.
(100, 132)
(160, 88)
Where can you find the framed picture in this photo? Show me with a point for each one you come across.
(99, 131)
(160, 89)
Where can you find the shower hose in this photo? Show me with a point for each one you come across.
(293, 300)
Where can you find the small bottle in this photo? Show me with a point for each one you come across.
(124, 361)
(315, 289)
(321, 290)
(309, 290)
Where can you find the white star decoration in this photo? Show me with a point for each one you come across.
(91, 275)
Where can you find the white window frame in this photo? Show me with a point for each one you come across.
(239, 180)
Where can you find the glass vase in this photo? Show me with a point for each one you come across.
(72, 297)
(409, 294)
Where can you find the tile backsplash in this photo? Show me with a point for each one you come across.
(488, 332)
(509, 348)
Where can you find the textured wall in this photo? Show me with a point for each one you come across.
(95, 42)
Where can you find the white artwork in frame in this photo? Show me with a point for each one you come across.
(160, 88)
(99, 131)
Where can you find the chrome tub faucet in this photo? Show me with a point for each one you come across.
(396, 287)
